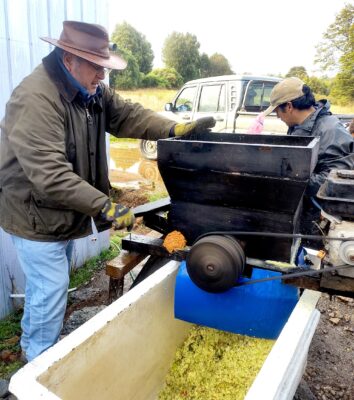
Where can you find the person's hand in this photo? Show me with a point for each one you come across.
(120, 216)
(199, 126)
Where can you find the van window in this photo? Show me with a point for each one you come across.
(268, 87)
(257, 97)
(212, 99)
(185, 100)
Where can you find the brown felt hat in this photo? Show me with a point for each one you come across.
(88, 41)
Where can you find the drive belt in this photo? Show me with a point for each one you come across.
(295, 274)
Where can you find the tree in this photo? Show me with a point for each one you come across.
(317, 85)
(204, 66)
(343, 85)
(130, 77)
(167, 78)
(181, 52)
(219, 65)
(299, 72)
(336, 40)
(128, 38)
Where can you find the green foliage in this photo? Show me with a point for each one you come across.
(336, 40)
(151, 81)
(167, 78)
(300, 72)
(7, 369)
(128, 38)
(10, 332)
(337, 50)
(157, 195)
(204, 66)
(320, 86)
(343, 85)
(82, 275)
(181, 52)
(130, 78)
(219, 65)
(317, 85)
(10, 327)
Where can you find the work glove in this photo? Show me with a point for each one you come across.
(199, 126)
(120, 216)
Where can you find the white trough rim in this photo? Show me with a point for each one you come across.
(277, 379)
(284, 366)
(24, 383)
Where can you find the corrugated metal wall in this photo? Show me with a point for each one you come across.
(22, 22)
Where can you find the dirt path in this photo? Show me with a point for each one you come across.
(329, 374)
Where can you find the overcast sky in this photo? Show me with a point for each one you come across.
(256, 36)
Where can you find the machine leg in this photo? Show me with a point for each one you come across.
(115, 289)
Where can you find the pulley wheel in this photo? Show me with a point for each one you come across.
(215, 262)
(346, 252)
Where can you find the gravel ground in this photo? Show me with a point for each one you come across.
(329, 374)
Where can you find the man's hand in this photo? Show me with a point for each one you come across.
(120, 216)
(198, 126)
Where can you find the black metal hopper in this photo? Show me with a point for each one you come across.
(336, 195)
(243, 182)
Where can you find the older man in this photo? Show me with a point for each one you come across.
(53, 167)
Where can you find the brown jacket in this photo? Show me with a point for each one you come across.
(53, 160)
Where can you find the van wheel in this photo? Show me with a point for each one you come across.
(148, 149)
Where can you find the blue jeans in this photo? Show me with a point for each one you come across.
(46, 266)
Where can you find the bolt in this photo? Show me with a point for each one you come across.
(210, 267)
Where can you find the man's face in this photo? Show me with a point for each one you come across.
(86, 73)
(286, 114)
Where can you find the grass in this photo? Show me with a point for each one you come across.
(347, 109)
(155, 99)
(10, 332)
(9, 329)
(152, 98)
(124, 143)
(157, 195)
(82, 275)
(7, 369)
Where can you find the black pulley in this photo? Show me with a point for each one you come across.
(215, 262)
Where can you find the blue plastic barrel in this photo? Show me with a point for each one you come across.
(258, 310)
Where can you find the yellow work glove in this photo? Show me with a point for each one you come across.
(199, 126)
(120, 216)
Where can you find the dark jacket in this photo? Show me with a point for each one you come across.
(53, 160)
(336, 144)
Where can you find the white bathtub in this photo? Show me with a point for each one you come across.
(125, 351)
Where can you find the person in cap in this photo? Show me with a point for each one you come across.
(53, 167)
(294, 104)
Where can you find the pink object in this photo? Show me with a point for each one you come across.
(257, 124)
